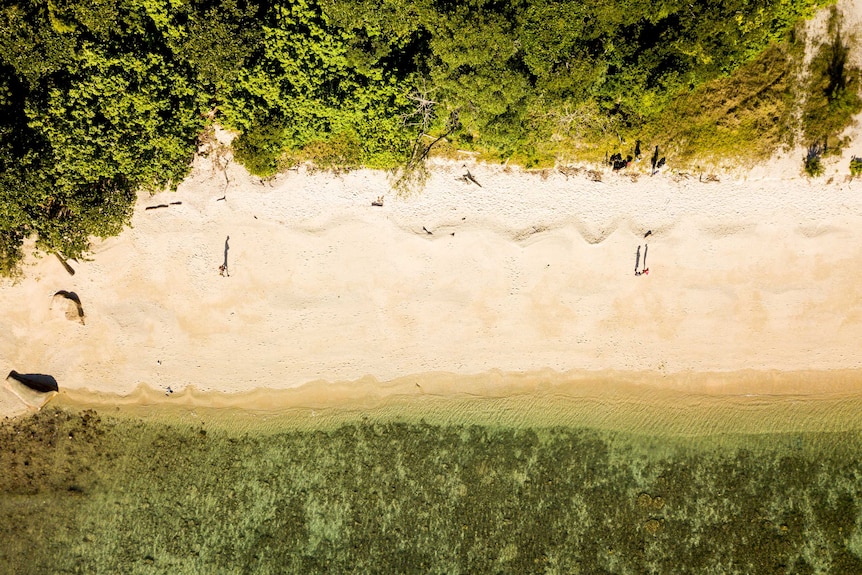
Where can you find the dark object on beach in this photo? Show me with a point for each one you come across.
(378, 202)
(35, 381)
(649, 233)
(222, 199)
(654, 159)
(66, 265)
(469, 177)
(176, 203)
(75, 311)
(660, 163)
(638, 149)
(638, 261)
(618, 162)
(156, 207)
(426, 231)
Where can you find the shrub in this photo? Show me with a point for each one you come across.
(813, 164)
(260, 149)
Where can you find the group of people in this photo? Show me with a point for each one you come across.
(618, 162)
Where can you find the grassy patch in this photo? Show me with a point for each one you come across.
(813, 164)
(743, 118)
(832, 93)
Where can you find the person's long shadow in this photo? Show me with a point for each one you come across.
(226, 248)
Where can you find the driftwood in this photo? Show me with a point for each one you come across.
(156, 207)
(66, 265)
(470, 177)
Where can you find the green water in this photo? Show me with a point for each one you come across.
(82, 492)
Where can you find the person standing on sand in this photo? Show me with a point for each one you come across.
(646, 269)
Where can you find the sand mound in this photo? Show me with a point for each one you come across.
(69, 304)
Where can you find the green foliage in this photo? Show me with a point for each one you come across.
(217, 40)
(742, 117)
(855, 166)
(102, 99)
(110, 99)
(832, 91)
(813, 165)
(304, 81)
(260, 149)
(130, 496)
(99, 109)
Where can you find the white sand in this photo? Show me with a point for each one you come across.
(762, 272)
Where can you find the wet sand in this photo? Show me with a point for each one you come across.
(683, 404)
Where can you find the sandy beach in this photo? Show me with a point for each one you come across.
(531, 272)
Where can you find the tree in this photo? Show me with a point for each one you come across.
(100, 109)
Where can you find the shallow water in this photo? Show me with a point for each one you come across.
(400, 488)
(682, 404)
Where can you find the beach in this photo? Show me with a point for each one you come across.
(518, 285)
(528, 272)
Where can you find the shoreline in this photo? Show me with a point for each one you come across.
(686, 404)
